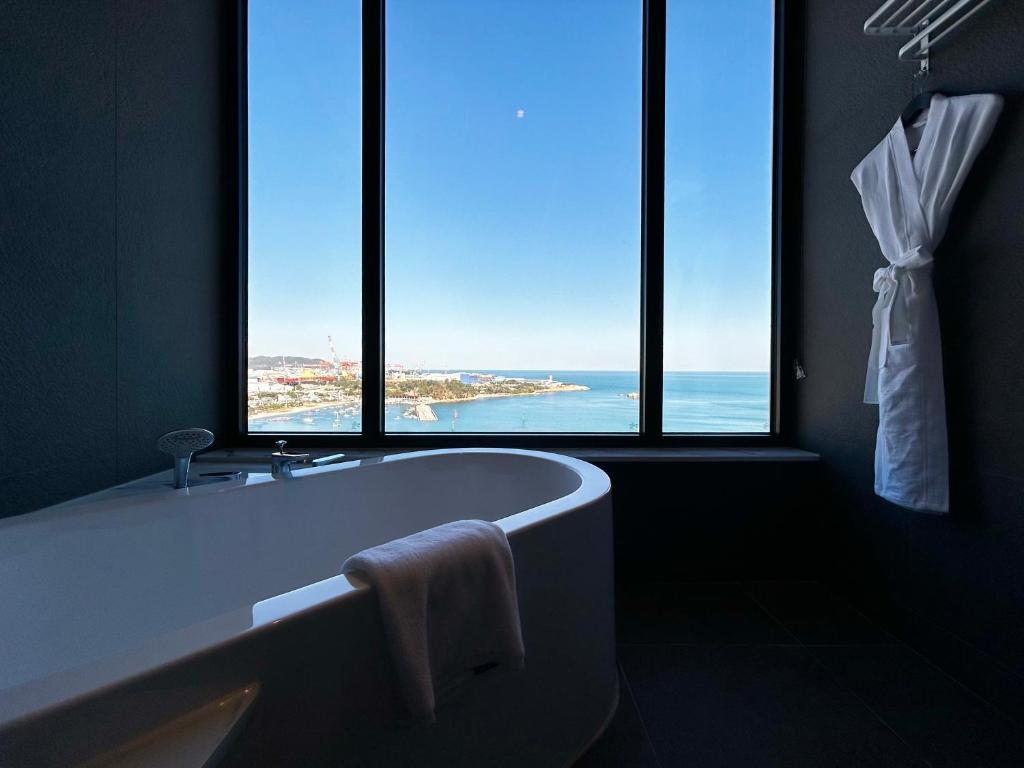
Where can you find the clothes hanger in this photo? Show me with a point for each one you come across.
(922, 98)
(916, 106)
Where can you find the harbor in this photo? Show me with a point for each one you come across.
(290, 386)
(704, 402)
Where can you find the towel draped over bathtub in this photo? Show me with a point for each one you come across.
(448, 606)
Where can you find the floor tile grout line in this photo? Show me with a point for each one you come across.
(893, 644)
(741, 588)
(831, 593)
(917, 752)
(678, 644)
(873, 622)
(753, 598)
(963, 686)
(843, 686)
(639, 714)
(671, 644)
(989, 658)
(1005, 715)
(677, 583)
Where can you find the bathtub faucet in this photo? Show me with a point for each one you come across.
(282, 463)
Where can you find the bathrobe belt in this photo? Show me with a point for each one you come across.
(889, 314)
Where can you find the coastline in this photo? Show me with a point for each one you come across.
(695, 402)
(491, 395)
(290, 411)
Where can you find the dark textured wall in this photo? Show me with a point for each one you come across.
(115, 221)
(953, 586)
(715, 521)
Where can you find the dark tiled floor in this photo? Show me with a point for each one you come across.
(694, 614)
(624, 744)
(939, 717)
(814, 615)
(784, 674)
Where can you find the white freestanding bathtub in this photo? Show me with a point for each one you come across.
(125, 614)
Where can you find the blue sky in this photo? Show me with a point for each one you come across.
(512, 183)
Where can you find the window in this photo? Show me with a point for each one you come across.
(512, 227)
(304, 217)
(718, 216)
(496, 259)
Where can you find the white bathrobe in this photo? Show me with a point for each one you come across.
(907, 198)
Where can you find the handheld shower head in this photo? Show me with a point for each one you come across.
(184, 442)
(181, 444)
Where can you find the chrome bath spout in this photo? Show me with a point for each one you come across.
(282, 463)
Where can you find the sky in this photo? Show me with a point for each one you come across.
(512, 183)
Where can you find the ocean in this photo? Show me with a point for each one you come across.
(694, 402)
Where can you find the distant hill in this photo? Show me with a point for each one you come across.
(262, 362)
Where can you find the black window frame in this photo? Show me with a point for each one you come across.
(652, 267)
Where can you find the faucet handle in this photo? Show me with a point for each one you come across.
(280, 445)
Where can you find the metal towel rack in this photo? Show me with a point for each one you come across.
(925, 22)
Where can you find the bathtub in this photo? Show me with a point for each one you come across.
(126, 615)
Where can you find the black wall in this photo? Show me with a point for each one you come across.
(715, 521)
(953, 586)
(116, 214)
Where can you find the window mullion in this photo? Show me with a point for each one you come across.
(652, 300)
(373, 220)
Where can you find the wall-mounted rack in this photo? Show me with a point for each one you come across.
(925, 22)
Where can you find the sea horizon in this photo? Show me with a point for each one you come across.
(495, 369)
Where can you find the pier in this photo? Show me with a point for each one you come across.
(425, 413)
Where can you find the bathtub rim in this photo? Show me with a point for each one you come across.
(75, 686)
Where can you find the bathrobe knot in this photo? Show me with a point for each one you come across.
(891, 325)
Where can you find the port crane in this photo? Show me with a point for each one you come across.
(334, 352)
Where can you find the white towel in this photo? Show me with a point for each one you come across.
(448, 604)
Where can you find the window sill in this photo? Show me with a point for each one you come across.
(769, 454)
(597, 455)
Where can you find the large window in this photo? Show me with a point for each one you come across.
(497, 257)
(512, 199)
(718, 215)
(304, 220)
